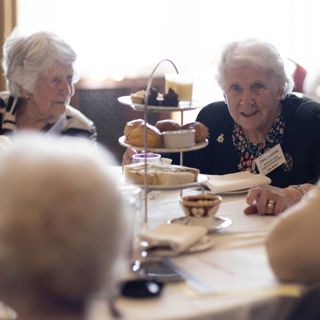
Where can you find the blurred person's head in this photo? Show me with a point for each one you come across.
(62, 223)
(39, 69)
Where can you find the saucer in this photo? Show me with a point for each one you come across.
(217, 223)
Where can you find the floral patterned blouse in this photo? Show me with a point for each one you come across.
(249, 151)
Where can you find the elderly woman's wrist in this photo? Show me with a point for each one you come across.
(295, 192)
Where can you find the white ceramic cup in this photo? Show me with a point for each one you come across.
(179, 138)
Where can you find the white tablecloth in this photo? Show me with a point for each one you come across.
(231, 281)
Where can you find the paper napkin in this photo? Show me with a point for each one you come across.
(236, 181)
(172, 239)
(5, 142)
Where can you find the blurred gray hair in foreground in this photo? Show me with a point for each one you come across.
(62, 224)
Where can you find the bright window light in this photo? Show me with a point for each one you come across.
(118, 39)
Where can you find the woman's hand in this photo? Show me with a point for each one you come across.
(264, 200)
(127, 156)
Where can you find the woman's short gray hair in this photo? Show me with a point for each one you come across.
(27, 58)
(63, 226)
(257, 54)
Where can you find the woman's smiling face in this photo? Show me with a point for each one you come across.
(253, 99)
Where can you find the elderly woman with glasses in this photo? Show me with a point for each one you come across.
(40, 75)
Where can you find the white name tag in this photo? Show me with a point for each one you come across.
(270, 160)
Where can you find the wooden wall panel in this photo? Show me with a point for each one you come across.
(8, 20)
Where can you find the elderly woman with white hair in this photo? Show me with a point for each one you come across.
(40, 75)
(261, 127)
(64, 232)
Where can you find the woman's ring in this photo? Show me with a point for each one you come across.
(270, 206)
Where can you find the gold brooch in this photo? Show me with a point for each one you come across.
(220, 138)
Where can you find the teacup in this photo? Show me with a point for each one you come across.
(200, 209)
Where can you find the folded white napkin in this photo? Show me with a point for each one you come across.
(172, 239)
(5, 142)
(236, 181)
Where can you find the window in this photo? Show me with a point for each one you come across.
(126, 38)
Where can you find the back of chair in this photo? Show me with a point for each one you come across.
(299, 75)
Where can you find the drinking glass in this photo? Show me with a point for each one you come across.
(132, 202)
(182, 84)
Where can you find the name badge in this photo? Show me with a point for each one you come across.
(270, 160)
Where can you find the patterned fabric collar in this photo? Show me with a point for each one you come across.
(249, 151)
(8, 115)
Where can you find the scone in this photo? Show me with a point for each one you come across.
(167, 125)
(202, 132)
(160, 174)
(134, 133)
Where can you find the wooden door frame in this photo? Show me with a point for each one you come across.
(8, 21)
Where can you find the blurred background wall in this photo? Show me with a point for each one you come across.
(120, 41)
(8, 20)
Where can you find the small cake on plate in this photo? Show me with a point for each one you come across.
(153, 97)
(160, 174)
(138, 97)
(170, 98)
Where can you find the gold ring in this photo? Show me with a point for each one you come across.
(270, 206)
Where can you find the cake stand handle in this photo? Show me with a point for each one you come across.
(145, 111)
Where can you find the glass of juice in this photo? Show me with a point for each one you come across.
(182, 84)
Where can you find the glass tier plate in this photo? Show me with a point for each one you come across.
(202, 178)
(183, 106)
(164, 150)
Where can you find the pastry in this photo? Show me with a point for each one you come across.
(167, 125)
(202, 132)
(138, 97)
(170, 98)
(153, 97)
(160, 174)
(134, 133)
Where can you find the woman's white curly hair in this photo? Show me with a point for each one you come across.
(257, 54)
(26, 58)
(62, 224)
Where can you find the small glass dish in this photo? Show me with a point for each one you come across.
(178, 138)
